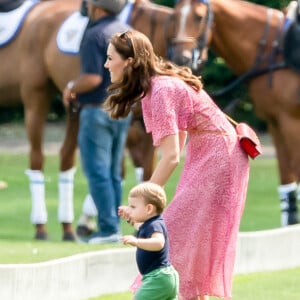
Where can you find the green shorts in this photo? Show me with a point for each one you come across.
(159, 284)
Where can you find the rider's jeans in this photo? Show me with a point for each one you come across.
(101, 142)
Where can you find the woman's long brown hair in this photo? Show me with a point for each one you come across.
(137, 75)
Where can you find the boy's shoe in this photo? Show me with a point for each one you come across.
(113, 238)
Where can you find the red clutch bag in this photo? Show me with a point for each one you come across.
(248, 139)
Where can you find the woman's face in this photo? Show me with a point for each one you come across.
(115, 63)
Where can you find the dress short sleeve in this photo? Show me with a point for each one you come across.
(161, 108)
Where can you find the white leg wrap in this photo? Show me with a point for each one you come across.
(283, 191)
(89, 208)
(139, 174)
(37, 189)
(65, 190)
(286, 188)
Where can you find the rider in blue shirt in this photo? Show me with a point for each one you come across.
(101, 140)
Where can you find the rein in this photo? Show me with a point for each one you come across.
(270, 59)
(202, 40)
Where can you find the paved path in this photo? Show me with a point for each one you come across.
(13, 139)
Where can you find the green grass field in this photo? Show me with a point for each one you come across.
(261, 211)
(279, 285)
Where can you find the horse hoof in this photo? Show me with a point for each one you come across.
(69, 236)
(41, 236)
(83, 231)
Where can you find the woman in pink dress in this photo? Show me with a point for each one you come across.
(204, 216)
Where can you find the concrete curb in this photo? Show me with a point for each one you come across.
(88, 275)
(77, 277)
(268, 250)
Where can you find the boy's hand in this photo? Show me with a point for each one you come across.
(129, 240)
(123, 212)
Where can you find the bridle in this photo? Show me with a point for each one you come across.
(200, 41)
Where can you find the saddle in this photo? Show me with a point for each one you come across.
(8, 5)
(291, 43)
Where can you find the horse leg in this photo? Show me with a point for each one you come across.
(149, 157)
(66, 176)
(288, 188)
(134, 145)
(86, 224)
(141, 150)
(36, 104)
(35, 116)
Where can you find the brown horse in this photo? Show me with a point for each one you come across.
(33, 70)
(249, 38)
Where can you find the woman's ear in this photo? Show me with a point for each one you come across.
(129, 61)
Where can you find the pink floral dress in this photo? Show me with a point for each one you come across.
(204, 216)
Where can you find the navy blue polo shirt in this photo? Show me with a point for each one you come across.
(148, 261)
(93, 54)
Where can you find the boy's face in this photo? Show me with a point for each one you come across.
(139, 211)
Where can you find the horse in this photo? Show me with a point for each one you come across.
(33, 70)
(251, 39)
